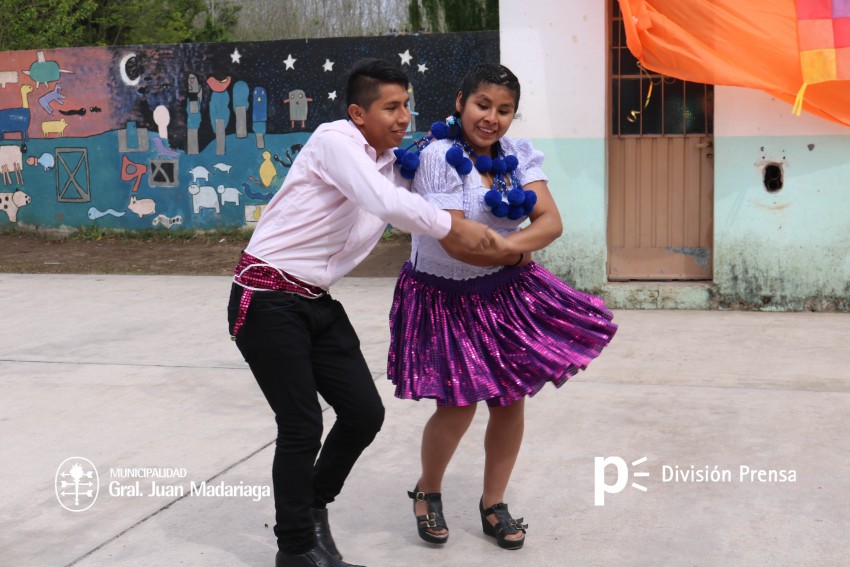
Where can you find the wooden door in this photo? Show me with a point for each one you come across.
(660, 171)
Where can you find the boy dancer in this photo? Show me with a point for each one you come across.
(330, 212)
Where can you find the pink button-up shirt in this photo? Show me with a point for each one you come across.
(334, 205)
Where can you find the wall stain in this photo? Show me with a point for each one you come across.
(773, 207)
(765, 287)
(701, 255)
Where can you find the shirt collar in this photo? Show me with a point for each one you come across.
(387, 156)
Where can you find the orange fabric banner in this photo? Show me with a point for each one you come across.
(796, 50)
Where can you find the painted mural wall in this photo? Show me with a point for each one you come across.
(193, 136)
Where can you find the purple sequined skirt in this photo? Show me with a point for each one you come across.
(496, 338)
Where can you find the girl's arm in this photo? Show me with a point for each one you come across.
(545, 227)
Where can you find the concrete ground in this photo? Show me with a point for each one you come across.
(133, 373)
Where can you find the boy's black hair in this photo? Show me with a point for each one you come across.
(365, 79)
(491, 74)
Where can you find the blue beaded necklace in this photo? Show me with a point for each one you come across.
(513, 203)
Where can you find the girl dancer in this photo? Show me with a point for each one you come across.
(491, 326)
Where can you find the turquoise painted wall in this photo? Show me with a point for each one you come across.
(790, 249)
(786, 250)
(577, 178)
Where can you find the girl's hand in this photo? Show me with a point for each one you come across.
(499, 245)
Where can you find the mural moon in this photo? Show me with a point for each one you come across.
(122, 68)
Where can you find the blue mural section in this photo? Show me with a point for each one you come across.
(195, 136)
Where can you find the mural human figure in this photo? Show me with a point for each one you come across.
(219, 111)
(241, 97)
(297, 102)
(259, 115)
(194, 96)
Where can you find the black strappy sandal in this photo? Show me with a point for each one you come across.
(433, 519)
(505, 525)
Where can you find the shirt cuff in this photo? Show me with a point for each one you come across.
(442, 225)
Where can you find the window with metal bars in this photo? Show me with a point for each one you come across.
(644, 103)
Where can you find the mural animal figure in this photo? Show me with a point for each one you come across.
(17, 119)
(44, 71)
(253, 213)
(229, 194)
(54, 127)
(203, 197)
(200, 172)
(7, 77)
(11, 161)
(167, 222)
(255, 195)
(223, 167)
(52, 96)
(11, 202)
(142, 207)
(289, 157)
(95, 214)
(267, 169)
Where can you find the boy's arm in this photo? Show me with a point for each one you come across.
(344, 164)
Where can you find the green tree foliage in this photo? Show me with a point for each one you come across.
(44, 23)
(453, 15)
(72, 23)
(414, 13)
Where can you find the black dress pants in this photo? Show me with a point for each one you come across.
(298, 347)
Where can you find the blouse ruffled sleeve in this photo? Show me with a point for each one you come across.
(530, 162)
(438, 182)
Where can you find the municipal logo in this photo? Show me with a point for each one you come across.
(77, 484)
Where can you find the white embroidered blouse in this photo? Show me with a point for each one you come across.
(440, 184)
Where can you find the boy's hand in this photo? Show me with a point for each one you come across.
(467, 235)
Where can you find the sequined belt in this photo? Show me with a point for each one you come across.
(255, 274)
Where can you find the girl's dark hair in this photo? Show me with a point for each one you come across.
(491, 74)
(365, 79)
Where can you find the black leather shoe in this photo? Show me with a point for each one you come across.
(322, 528)
(505, 525)
(316, 557)
(434, 519)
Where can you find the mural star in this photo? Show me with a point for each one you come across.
(289, 62)
(328, 66)
(422, 68)
(405, 57)
(235, 56)
(332, 96)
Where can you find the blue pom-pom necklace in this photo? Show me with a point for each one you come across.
(513, 203)
(408, 158)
